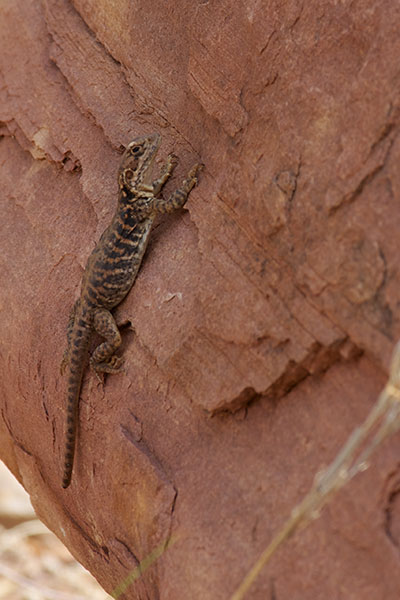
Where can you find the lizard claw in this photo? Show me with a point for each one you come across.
(112, 365)
(172, 159)
(196, 169)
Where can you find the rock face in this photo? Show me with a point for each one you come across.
(264, 315)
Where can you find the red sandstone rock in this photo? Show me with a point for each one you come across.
(264, 315)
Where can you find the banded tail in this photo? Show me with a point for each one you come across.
(77, 350)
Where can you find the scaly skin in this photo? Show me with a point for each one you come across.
(112, 269)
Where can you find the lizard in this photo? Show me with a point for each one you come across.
(111, 271)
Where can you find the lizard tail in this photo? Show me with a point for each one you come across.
(78, 345)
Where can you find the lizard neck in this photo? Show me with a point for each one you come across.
(130, 214)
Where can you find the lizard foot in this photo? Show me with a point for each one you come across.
(192, 179)
(112, 365)
(195, 170)
(172, 161)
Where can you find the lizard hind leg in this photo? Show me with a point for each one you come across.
(104, 359)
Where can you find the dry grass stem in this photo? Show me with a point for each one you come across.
(382, 421)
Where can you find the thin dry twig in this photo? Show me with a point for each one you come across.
(353, 458)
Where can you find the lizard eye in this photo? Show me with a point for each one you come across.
(136, 149)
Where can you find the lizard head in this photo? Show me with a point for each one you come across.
(137, 160)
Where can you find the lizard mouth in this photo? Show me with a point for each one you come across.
(156, 139)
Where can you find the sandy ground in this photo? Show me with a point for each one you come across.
(34, 564)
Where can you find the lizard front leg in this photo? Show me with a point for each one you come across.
(156, 186)
(104, 359)
(179, 197)
(166, 173)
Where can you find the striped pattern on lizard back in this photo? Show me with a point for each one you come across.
(111, 271)
(115, 262)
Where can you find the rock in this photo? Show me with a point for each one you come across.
(264, 315)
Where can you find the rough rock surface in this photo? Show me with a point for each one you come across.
(264, 315)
